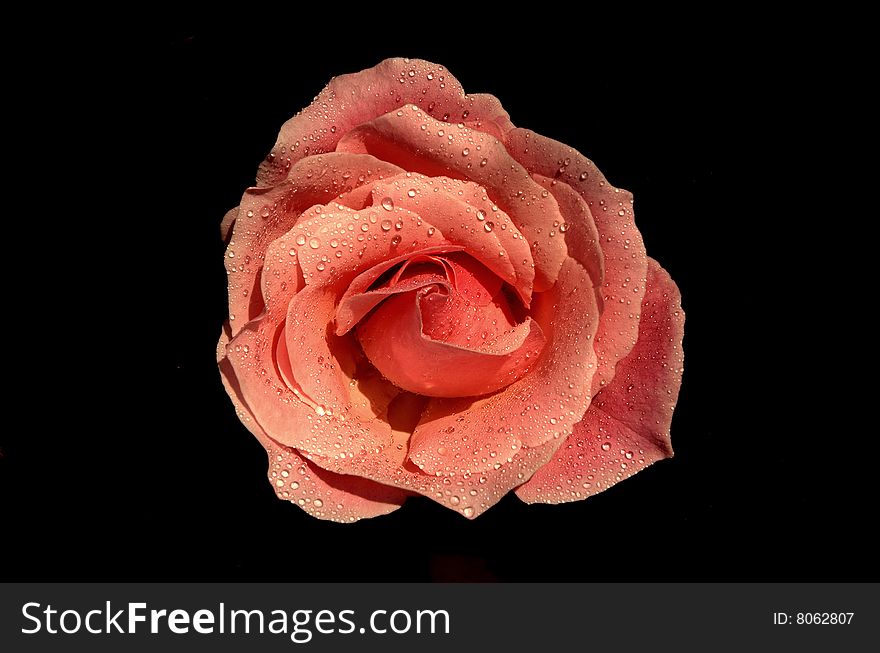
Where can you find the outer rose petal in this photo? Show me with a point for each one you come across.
(349, 100)
(627, 426)
(320, 493)
(622, 245)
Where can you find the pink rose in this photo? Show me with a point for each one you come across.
(427, 300)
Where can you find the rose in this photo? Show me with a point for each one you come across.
(426, 300)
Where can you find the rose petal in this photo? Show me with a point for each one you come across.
(459, 151)
(472, 280)
(355, 307)
(627, 426)
(323, 494)
(326, 495)
(465, 216)
(227, 223)
(349, 100)
(328, 425)
(455, 319)
(266, 214)
(350, 309)
(473, 482)
(393, 339)
(581, 235)
(298, 407)
(622, 246)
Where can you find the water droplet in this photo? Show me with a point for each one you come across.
(411, 192)
(628, 455)
(395, 241)
(430, 76)
(483, 162)
(584, 175)
(465, 151)
(563, 227)
(605, 446)
(468, 512)
(489, 226)
(320, 410)
(294, 485)
(314, 243)
(265, 212)
(431, 231)
(454, 500)
(387, 204)
(250, 214)
(318, 503)
(365, 227)
(320, 266)
(481, 215)
(231, 254)
(398, 225)
(334, 243)
(442, 451)
(301, 240)
(386, 225)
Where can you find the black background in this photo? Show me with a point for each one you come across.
(135, 467)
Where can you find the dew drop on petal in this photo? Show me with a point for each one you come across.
(387, 204)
